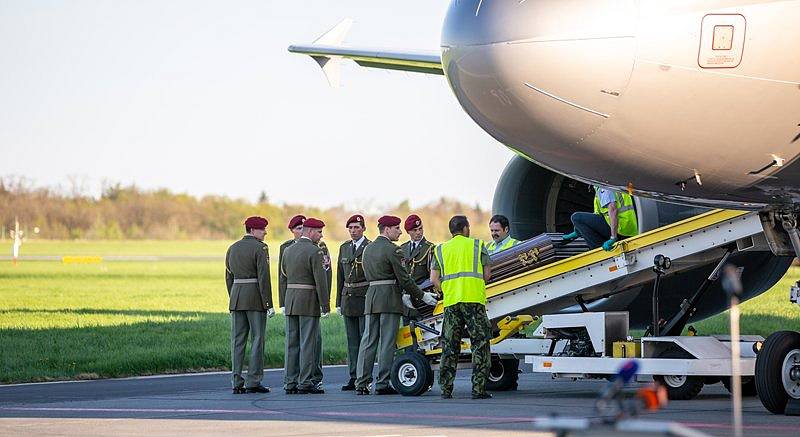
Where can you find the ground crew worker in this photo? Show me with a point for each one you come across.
(501, 240)
(307, 299)
(351, 290)
(247, 278)
(417, 254)
(614, 219)
(383, 268)
(460, 270)
(296, 226)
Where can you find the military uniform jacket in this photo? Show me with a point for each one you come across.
(304, 265)
(383, 261)
(282, 274)
(418, 262)
(351, 283)
(248, 259)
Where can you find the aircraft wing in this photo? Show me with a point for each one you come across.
(328, 52)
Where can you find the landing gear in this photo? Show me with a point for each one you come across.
(503, 374)
(411, 374)
(778, 371)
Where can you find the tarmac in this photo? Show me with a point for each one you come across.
(202, 404)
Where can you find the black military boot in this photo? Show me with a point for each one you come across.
(350, 386)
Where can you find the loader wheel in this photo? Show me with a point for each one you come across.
(778, 370)
(679, 387)
(411, 374)
(503, 374)
(748, 385)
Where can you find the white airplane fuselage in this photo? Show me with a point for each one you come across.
(689, 101)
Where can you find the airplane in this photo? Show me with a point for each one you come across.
(684, 104)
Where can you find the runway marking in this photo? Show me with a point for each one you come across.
(140, 410)
(488, 419)
(134, 378)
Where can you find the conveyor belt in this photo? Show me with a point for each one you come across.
(554, 286)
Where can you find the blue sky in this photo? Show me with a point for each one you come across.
(202, 97)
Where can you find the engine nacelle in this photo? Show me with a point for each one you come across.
(538, 200)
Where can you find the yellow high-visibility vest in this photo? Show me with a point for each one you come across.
(626, 214)
(491, 246)
(461, 271)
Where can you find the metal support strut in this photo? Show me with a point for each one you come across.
(661, 264)
(677, 322)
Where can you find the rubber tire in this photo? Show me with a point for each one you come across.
(769, 366)
(748, 385)
(423, 369)
(690, 388)
(509, 376)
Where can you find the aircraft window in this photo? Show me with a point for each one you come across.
(723, 38)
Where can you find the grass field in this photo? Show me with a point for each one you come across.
(61, 321)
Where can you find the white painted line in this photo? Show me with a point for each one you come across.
(134, 378)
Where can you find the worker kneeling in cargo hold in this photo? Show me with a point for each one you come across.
(460, 270)
(614, 219)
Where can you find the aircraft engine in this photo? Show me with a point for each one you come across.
(537, 200)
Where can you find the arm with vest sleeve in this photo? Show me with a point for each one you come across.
(402, 276)
(321, 281)
(485, 262)
(228, 273)
(264, 279)
(613, 219)
(339, 278)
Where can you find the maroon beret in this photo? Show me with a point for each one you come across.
(256, 222)
(313, 223)
(358, 218)
(389, 220)
(296, 221)
(413, 221)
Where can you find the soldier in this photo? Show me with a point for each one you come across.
(307, 298)
(417, 253)
(351, 290)
(247, 278)
(383, 268)
(462, 279)
(296, 226)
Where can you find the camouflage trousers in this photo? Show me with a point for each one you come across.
(471, 316)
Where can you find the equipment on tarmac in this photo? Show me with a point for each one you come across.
(571, 340)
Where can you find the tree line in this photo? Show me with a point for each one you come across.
(129, 212)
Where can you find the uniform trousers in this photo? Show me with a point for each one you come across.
(302, 353)
(244, 324)
(472, 318)
(354, 328)
(380, 337)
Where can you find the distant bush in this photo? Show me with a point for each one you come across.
(129, 212)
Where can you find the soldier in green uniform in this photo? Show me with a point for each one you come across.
(383, 268)
(462, 279)
(417, 254)
(351, 290)
(296, 226)
(247, 278)
(307, 299)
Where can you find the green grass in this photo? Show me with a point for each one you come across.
(763, 314)
(200, 248)
(118, 319)
(60, 321)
